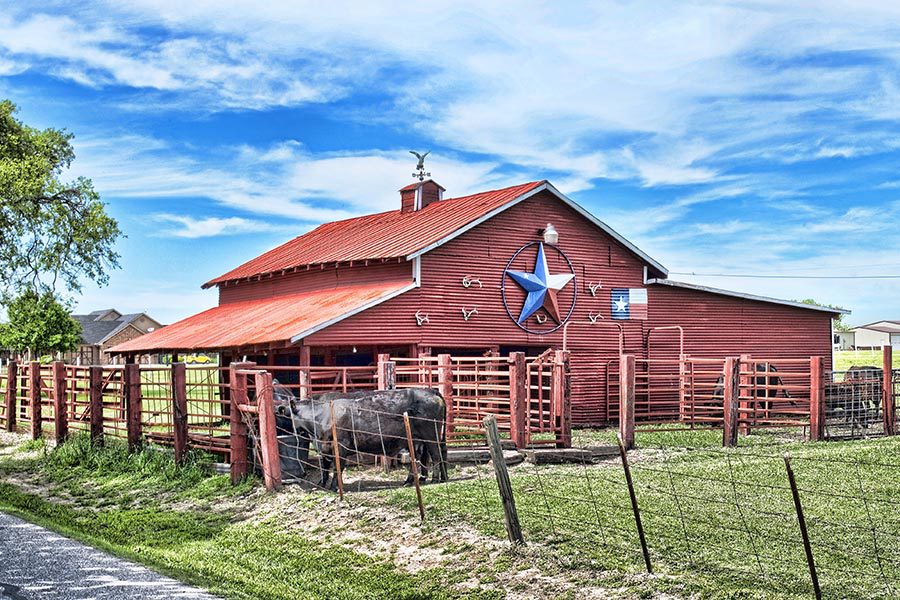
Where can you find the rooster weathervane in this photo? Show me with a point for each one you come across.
(420, 166)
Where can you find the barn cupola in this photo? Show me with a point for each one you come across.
(419, 195)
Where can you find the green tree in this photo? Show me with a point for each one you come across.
(40, 323)
(839, 324)
(54, 235)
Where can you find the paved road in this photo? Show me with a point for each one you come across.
(36, 563)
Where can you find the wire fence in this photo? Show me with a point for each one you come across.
(714, 519)
(718, 519)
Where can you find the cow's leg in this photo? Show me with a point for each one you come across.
(325, 460)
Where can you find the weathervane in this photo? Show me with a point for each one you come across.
(420, 166)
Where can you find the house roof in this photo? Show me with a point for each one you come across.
(881, 327)
(286, 319)
(402, 235)
(745, 296)
(95, 330)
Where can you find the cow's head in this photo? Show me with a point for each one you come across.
(283, 399)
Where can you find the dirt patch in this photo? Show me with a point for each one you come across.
(365, 523)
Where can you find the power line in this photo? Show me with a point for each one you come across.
(755, 276)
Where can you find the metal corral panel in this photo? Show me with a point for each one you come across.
(253, 322)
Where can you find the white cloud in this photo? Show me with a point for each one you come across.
(539, 87)
(194, 227)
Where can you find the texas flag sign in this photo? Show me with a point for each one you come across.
(629, 303)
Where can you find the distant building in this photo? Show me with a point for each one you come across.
(103, 329)
(876, 335)
(844, 340)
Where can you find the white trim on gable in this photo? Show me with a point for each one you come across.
(546, 186)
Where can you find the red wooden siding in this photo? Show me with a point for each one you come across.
(482, 254)
(714, 325)
(316, 278)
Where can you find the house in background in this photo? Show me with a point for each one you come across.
(876, 335)
(103, 329)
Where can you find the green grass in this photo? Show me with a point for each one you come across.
(719, 524)
(144, 507)
(844, 359)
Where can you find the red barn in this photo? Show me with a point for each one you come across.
(517, 269)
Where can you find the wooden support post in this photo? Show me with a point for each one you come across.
(518, 399)
(513, 528)
(414, 465)
(268, 434)
(731, 375)
(889, 410)
(95, 394)
(801, 521)
(816, 399)
(60, 415)
(133, 405)
(238, 429)
(634, 504)
(34, 399)
(445, 387)
(387, 369)
(12, 382)
(626, 400)
(336, 454)
(562, 398)
(179, 410)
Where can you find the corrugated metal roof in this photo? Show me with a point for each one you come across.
(385, 235)
(721, 292)
(263, 321)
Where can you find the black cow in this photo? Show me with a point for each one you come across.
(857, 399)
(771, 383)
(295, 451)
(371, 422)
(769, 388)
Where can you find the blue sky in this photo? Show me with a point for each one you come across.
(722, 137)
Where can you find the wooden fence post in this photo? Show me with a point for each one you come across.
(731, 375)
(34, 399)
(626, 400)
(445, 387)
(179, 410)
(336, 453)
(511, 516)
(237, 427)
(518, 399)
(562, 399)
(96, 402)
(387, 369)
(414, 464)
(268, 434)
(634, 504)
(816, 399)
(804, 533)
(133, 405)
(12, 382)
(60, 416)
(889, 410)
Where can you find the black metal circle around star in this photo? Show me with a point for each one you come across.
(503, 288)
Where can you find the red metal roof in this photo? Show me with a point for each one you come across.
(262, 321)
(380, 236)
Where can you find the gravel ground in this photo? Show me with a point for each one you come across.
(37, 563)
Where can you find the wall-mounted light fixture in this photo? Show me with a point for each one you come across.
(551, 236)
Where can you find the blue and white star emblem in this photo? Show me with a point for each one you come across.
(542, 288)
